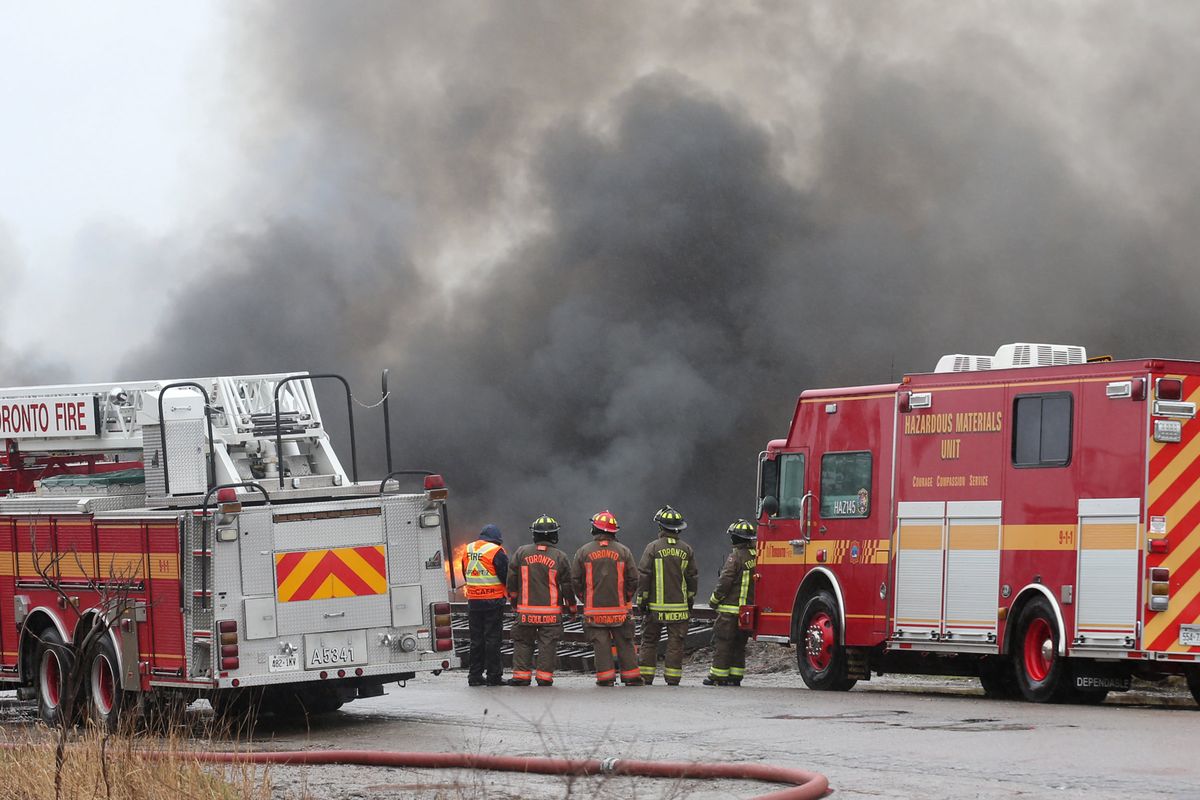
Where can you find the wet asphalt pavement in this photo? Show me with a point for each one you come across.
(891, 737)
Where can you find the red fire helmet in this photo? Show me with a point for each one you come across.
(605, 521)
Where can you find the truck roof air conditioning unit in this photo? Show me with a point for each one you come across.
(1021, 354)
(963, 363)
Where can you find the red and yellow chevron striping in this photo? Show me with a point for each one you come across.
(1174, 493)
(324, 574)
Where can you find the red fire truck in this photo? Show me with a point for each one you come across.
(1030, 518)
(211, 530)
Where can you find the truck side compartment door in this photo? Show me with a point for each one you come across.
(972, 570)
(919, 570)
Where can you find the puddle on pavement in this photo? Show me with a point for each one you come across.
(895, 718)
(850, 716)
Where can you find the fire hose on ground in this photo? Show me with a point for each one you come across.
(804, 784)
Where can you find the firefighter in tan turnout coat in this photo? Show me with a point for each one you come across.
(539, 586)
(605, 574)
(668, 589)
(735, 588)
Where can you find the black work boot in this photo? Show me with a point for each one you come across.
(714, 682)
(517, 682)
(476, 680)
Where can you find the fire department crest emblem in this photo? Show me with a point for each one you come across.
(854, 552)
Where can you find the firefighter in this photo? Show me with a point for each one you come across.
(735, 588)
(668, 589)
(606, 574)
(539, 585)
(485, 569)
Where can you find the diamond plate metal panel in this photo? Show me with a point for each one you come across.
(255, 536)
(198, 621)
(152, 460)
(405, 545)
(434, 585)
(187, 442)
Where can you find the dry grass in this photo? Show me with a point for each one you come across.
(133, 768)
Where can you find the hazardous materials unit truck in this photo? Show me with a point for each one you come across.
(1029, 517)
(208, 538)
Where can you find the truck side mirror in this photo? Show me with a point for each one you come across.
(770, 504)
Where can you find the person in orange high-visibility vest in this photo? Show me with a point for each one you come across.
(605, 574)
(485, 569)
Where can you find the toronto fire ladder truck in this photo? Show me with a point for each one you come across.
(1030, 518)
(209, 527)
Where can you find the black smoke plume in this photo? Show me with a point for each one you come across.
(602, 246)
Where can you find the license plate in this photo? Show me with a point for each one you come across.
(325, 650)
(284, 663)
(1189, 635)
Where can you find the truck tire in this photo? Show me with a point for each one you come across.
(308, 701)
(996, 676)
(106, 700)
(1193, 683)
(236, 710)
(53, 676)
(822, 661)
(1043, 676)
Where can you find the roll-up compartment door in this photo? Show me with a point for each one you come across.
(972, 569)
(1106, 608)
(919, 570)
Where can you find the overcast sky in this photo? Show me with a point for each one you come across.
(111, 133)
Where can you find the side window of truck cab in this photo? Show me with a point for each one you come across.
(845, 485)
(782, 480)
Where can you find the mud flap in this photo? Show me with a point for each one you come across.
(1090, 677)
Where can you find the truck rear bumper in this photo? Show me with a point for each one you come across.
(383, 673)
